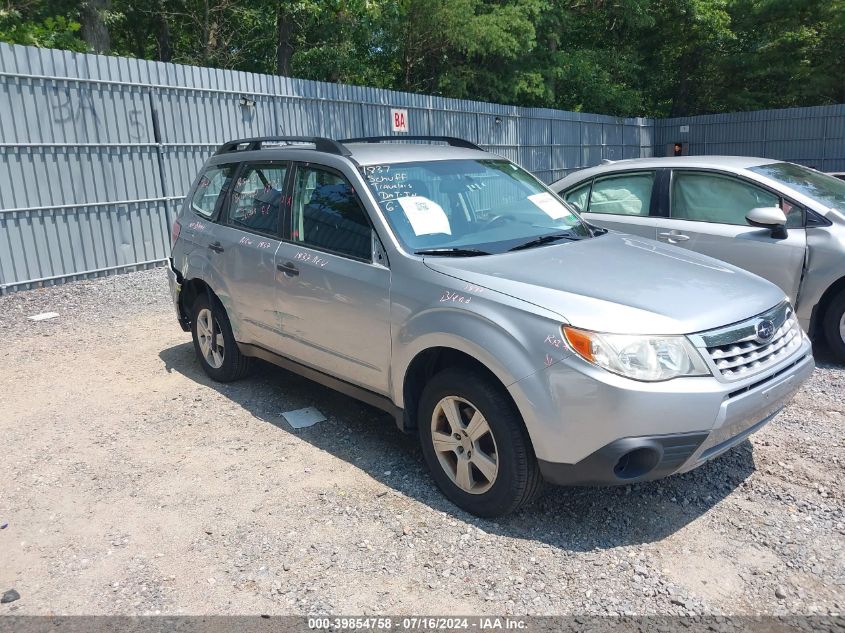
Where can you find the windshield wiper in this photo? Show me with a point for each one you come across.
(545, 239)
(453, 252)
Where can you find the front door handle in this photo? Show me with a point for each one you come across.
(288, 268)
(673, 237)
(217, 247)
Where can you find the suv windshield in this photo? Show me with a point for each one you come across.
(826, 189)
(460, 206)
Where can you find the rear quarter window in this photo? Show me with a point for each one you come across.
(213, 182)
(579, 196)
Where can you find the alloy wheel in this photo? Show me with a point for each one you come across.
(464, 445)
(212, 350)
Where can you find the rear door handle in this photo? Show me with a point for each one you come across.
(673, 236)
(288, 268)
(217, 247)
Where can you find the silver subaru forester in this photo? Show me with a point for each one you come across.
(448, 286)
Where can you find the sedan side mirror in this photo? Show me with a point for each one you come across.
(771, 218)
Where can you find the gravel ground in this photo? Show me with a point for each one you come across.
(133, 485)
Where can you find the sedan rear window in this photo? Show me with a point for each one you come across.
(825, 189)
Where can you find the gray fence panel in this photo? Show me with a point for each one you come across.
(802, 135)
(96, 152)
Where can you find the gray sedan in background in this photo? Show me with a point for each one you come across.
(782, 221)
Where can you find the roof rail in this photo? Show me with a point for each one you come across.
(321, 144)
(451, 140)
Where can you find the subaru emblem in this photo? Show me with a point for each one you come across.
(765, 330)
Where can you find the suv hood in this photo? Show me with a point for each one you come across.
(618, 283)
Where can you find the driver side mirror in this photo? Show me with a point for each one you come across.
(576, 206)
(771, 218)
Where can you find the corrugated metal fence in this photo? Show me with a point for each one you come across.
(810, 136)
(96, 152)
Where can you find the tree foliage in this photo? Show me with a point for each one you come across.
(623, 57)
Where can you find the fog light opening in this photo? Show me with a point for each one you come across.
(636, 463)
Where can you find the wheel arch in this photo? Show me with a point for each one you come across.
(430, 361)
(820, 310)
(191, 289)
(195, 286)
(505, 344)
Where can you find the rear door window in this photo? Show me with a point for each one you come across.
(258, 198)
(625, 194)
(213, 182)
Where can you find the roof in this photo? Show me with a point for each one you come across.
(364, 151)
(374, 153)
(730, 163)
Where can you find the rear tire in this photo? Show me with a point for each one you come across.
(834, 326)
(484, 462)
(218, 354)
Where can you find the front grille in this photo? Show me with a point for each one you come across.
(738, 352)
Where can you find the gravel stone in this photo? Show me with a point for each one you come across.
(10, 596)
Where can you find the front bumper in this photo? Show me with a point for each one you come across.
(589, 427)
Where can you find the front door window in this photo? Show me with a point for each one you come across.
(327, 215)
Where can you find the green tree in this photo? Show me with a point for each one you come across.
(589, 56)
(621, 57)
(42, 28)
(787, 53)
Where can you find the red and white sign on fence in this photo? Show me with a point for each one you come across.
(399, 119)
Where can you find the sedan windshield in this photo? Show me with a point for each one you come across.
(466, 207)
(827, 190)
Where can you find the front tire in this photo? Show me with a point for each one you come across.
(214, 342)
(476, 445)
(834, 326)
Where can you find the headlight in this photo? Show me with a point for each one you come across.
(648, 358)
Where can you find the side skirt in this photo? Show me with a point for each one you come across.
(359, 393)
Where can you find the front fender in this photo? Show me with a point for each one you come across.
(510, 341)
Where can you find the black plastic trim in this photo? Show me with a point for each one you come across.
(660, 194)
(812, 219)
(450, 140)
(599, 468)
(321, 144)
(762, 381)
(181, 317)
(359, 393)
